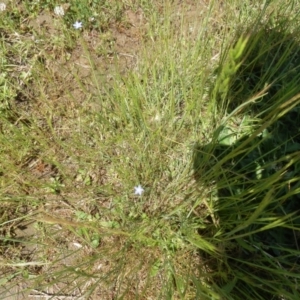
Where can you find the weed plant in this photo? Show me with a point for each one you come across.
(255, 164)
(214, 154)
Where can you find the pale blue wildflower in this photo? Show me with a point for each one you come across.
(138, 190)
(77, 25)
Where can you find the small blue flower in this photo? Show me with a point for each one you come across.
(138, 190)
(77, 25)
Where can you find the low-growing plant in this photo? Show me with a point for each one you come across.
(254, 165)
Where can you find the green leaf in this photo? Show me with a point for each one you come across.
(244, 245)
(95, 242)
(201, 243)
(263, 204)
(292, 147)
(155, 268)
(227, 137)
(230, 285)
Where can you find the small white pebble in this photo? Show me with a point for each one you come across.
(2, 6)
(77, 245)
(59, 11)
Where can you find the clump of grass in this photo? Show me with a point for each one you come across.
(69, 169)
(256, 172)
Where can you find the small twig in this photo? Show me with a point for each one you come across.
(52, 296)
(126, 54)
